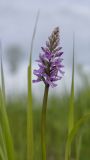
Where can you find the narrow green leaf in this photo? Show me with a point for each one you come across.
(2, 144)
(78, 146)
(2, 157)
(71, 105)
(29, 119)
(74, 131)
(30, 143)
(2, 81)
(33, 36)
(0, 98)
(4, 120)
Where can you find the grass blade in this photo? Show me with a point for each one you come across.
(4, 120)
(33, 36)
(78, 146)
(2, 144)
(71, 105)
(2, 157)
(2, 81)
(73, 133)
(29, 120)
(30, 143)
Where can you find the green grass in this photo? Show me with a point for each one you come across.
(57, 116)
(30, 140)
(71, 117)
(7, 149)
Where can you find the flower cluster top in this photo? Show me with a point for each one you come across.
(50, 61)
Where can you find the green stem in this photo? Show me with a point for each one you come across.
(2, 157)
(43, 123)
(30, 154)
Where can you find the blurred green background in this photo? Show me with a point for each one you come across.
(57, 121)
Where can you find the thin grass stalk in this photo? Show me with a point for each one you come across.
(43, 123)
(2, 156)
(2, 142)
(78, 146)
(71, 105)
(2, 81)
(73, 133)
(30, 141)
(5, 121)
(33, 36)
(29, 120)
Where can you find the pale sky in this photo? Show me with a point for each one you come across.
(17, 18)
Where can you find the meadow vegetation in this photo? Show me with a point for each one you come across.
(57, 123)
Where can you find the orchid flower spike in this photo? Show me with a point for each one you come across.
(50, 61)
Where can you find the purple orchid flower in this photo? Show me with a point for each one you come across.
(50, 61)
